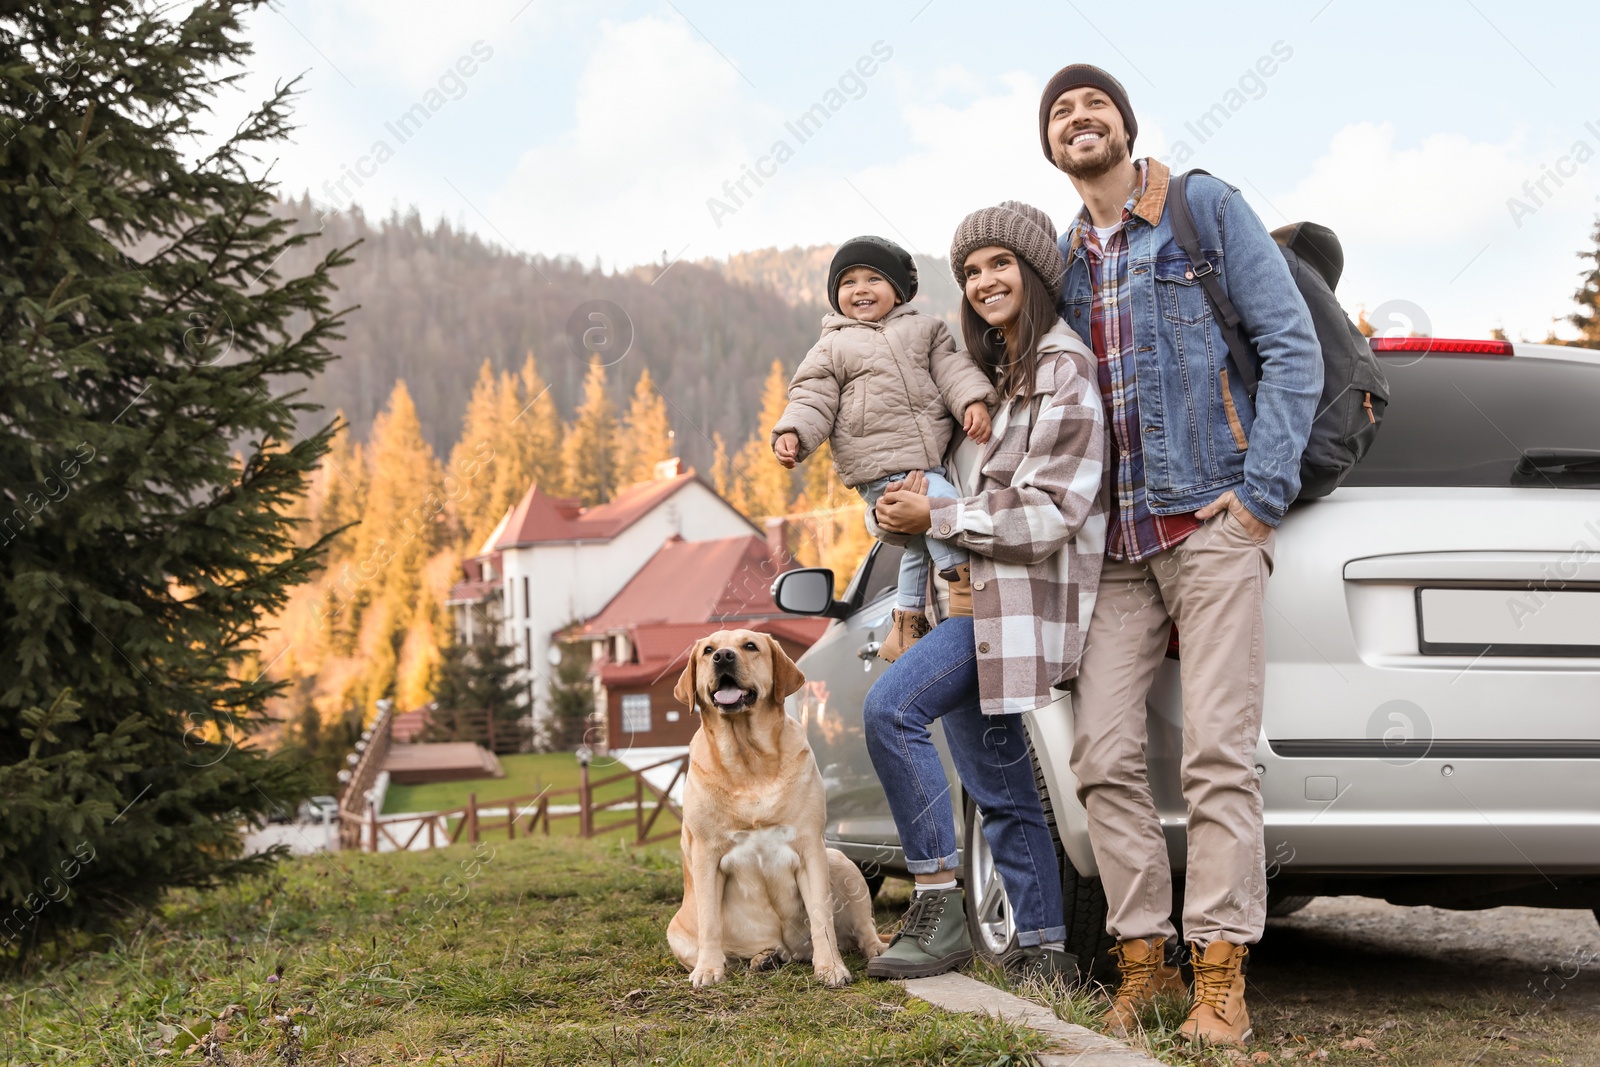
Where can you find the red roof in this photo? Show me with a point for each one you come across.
(694, 582)
(663, 650)
(688, 590)
(539, 517)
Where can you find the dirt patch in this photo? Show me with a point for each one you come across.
(1426, 986)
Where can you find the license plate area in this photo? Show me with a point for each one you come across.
(1508, 621)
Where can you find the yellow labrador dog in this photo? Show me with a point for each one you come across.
(758, 883)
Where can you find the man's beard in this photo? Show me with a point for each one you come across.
(1111, 155)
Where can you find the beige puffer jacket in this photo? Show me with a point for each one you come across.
(883, 393)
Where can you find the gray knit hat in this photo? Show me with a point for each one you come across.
(1023, 228)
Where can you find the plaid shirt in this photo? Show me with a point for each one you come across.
(1033, 523)
(1132, 532)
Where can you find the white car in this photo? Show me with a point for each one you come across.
(1432, 724)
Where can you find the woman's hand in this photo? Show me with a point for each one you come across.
(902, 510)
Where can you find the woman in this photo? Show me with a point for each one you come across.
(1035, 533)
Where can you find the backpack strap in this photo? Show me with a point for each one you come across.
(1188, 238)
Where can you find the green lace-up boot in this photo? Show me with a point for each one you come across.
(932, 940)
(1039, 964)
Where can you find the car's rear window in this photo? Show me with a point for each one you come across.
(1490, 421)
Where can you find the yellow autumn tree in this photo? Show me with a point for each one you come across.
(829, 526)
(473, 461)
(590, 445)
(646, 436)
(537, 428)
(760, 485)
(404, 505)
(341, 488)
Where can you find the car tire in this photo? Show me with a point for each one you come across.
(1083, 902)
(1280, 905)
(989, 920)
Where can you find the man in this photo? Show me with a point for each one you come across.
(1198, 475)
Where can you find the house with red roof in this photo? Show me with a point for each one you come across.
(642, 639)
(551, 562)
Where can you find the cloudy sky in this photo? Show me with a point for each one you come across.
(1453, 144)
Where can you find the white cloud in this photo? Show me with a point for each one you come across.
(661, 120)
(1371, 191)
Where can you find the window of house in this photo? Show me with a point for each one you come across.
(527, 646)
(527, 605)
(636, 713)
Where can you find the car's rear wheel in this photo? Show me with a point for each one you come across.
(989, 917)
(1281, 904)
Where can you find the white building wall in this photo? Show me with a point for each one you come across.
(570, 582)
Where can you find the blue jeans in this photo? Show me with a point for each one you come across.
(937, 678)
(919, 548)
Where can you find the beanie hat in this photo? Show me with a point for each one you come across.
(1076, 76)
(1023, 228)
(880, 254)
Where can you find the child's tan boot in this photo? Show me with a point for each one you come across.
(909, 627)
(960, 588)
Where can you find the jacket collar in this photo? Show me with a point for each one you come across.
(835, 321)
(1149, 207)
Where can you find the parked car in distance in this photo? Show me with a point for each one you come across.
(319, 808)
(1431, 732)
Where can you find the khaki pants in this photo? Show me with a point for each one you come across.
(1212, 584)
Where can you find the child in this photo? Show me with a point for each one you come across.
(881, 385)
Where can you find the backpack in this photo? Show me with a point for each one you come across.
(1354, 390)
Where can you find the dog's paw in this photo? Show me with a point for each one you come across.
(874, 948)
(769, 960)
(704, 975)
(833, 975)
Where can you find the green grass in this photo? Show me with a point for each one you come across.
(526, 773)
(507, 954)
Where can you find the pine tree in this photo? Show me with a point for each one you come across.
(590, 445)
(1587, 317)
(150, 458)
(481, 676)
(646, 436)
(571, 702)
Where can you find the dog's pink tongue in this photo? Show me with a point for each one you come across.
(728, 696)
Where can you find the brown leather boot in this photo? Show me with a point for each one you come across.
(1218, 1016)
(1145, 975)
(960, 589)
(909, 627)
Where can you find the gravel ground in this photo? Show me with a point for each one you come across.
(1427, 986)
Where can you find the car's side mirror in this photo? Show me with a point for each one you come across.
(808, 591)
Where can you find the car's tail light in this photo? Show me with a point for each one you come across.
(1442, 345)
(1172, 642)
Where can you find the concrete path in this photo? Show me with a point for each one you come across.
(1070, 1043)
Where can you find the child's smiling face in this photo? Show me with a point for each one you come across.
(865, 295)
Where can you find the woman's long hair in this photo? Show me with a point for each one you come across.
(1012, 367)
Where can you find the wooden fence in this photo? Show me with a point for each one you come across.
(353, 798)
(479, 726)
(534, 813)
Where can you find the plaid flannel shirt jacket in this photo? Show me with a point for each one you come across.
(1035, 525)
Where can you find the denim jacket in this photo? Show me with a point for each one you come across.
(1201, 433)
